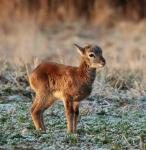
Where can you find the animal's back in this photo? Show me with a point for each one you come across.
(47, 74)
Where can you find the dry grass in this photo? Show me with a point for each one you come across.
(54, 11)
(123, 45)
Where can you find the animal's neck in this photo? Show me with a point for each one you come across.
(86, 73)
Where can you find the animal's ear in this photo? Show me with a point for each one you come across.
(80, 49)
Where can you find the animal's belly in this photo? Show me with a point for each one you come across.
(58, 95)
(78, 94)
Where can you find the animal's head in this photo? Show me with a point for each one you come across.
(92, 55)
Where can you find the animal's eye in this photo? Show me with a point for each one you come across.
(91, 55)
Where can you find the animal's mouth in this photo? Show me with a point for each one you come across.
(101, 65)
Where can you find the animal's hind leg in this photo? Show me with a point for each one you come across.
(37, 111)
(39, 106)
(46, 106)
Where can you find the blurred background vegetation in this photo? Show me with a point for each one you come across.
(53, 11)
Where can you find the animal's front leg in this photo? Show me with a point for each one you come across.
(76, 115)
(68, 105)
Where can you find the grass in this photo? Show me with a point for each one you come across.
(110, 130)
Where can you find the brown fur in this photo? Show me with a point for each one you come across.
(52, 81)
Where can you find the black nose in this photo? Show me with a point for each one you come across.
(102, 61)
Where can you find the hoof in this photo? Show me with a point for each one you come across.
(41, 131)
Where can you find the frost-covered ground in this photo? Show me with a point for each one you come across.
(109, 119)
(112, 118)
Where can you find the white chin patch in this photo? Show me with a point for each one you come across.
(99, 68)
